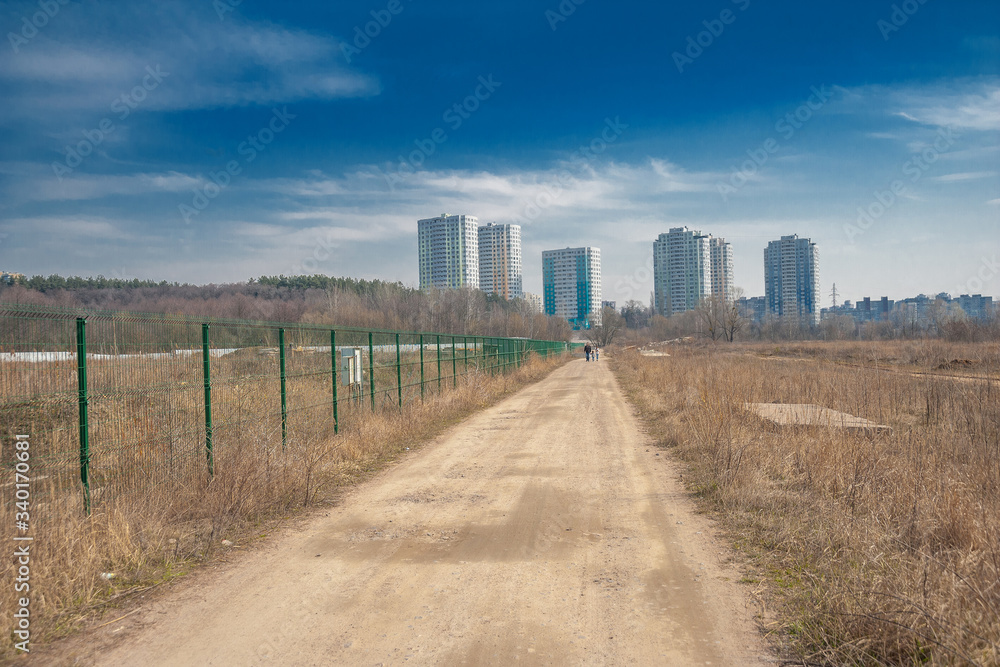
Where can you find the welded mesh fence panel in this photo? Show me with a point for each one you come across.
(38, 399)
(156, 400)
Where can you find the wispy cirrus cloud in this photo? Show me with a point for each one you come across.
(72, 67)
(972, 104)
(99, 186)
(964, 176)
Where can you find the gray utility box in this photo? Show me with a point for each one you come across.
(350, 366)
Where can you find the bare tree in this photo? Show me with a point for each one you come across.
(636, 314)
(734, 321)
(604, 334)
(712, 316)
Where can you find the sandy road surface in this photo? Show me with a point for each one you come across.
(544, 530)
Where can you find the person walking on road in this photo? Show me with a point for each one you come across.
(597, 353)
(586, 351)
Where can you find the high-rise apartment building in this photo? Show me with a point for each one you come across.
(500, 260)
(791, 279)
(572, 285)
(689, 266)
(681, 270)
(722, 268)
(449, 251)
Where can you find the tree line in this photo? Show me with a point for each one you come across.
(316, 299)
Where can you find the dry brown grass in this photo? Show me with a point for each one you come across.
(870, 550)
(916, 355)
(157, 513)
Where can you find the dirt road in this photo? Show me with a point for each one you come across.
(545, 530)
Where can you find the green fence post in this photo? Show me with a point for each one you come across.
(333, 366)
(84, 402)
(371, 368)
(465, 350)
(439, 362)
(421, 368)
(399, 375)
(284, 396)
(454, 365)
(206, 370)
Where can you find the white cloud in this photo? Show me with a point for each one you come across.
(971, 105)
(68, 227)
(965, 176)
(95, 187)
(963, 104)
(74, 67)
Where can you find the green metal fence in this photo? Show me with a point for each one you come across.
(114, 400)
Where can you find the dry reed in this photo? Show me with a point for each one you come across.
(873, 550)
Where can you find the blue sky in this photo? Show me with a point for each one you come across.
(216, 140)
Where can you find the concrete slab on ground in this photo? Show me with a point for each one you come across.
(805, 414)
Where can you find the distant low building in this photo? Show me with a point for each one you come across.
(864, 310)
(977, 306)
(535, 301)
(9, 277)
(752, 308)
(913, 310)
(613, 305)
